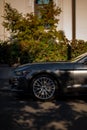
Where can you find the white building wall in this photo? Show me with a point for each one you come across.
(23, 6)
(60, 17)
(81, 19)
(67, 18)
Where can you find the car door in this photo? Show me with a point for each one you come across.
(66, 74)
(80, 76)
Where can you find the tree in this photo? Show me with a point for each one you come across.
(36, 35)
(12, 19)
(48, 13)
(31, 26)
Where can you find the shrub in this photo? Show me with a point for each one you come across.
(78, 47)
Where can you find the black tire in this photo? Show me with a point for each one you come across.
(44, 87)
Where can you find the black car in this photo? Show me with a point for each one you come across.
(45, 80)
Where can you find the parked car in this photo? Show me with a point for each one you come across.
(45, 80)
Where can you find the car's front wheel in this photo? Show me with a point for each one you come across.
(44, 87)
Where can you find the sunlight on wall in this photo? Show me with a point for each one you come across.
(81, 19)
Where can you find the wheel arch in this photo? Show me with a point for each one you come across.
(53, 78)
(50, 74)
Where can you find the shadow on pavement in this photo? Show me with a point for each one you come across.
(20, 114)
(17, 114)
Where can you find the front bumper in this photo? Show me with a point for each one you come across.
(18, 84)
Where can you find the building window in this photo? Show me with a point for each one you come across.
(42, 2)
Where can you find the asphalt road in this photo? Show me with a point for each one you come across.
(67, 113)
(28, 114)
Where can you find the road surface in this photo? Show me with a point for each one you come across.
(68, 113)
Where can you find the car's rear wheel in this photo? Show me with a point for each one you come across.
(44, 87)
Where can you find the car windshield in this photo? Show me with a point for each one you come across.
(80, 57)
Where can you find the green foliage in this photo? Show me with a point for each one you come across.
(4, 53)
(27, 51)
(78, 47)
(33, 38)
(31, 26)
(31, 33)
(40, 51)
(48, 14)
(9, 53)
(12, 18)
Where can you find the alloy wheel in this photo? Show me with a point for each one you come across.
(44, 87)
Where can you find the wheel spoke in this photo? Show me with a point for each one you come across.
(43, 87)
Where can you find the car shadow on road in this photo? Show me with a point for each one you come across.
(59, 114)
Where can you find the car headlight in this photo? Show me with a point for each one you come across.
(21, 73)
(18, 73)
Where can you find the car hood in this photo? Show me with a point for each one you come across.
(43, 65)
